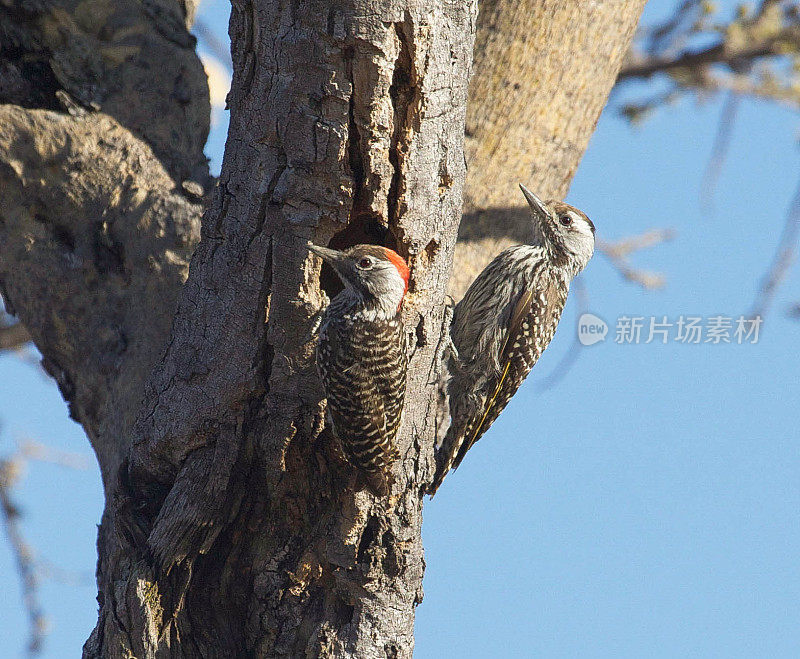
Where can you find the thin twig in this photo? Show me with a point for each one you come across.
(617, 253)
(10, 470)
(659, 36)
(719, 151)
(53, 572)
(782, 261)
(627, 246)
(28, 567)
(766, 5)
(751, 54)
(717, 54)
(770, 89)
(33, 450)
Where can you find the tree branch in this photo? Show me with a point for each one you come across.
(617, 253)
(10, 469)
(29, 567)
(750, 54)
(94, 246)
(782, 261)
(719, 150)
(717, 54)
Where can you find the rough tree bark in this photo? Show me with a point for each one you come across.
(99, 211)
(230, 491)
(232, 528)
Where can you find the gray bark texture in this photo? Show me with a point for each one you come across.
(184, 346)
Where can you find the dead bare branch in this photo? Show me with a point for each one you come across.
(11, 470)
(664, 35)
(32, 450)
(782, 261)
(700, 53)
(718, 54)
(627, 246)
(54, 573)
(29, 568)
(617, 253)
(719, 151)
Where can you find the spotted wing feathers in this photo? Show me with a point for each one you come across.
(531, 327)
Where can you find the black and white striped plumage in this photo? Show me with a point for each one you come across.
(506, 320)
(362, 359)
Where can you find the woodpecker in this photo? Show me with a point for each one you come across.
(362, 359)
(505, 321)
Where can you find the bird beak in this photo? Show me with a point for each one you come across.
(540, 211)
(332, 256)
(536, 204)
(336, 259)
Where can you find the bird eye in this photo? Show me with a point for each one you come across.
(365, 263)
(565, 220)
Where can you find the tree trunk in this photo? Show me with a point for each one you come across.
(232, 527)
(230, 492)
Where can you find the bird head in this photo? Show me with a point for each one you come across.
(376, 275)
(564, 230)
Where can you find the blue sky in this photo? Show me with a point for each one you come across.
(648, 504)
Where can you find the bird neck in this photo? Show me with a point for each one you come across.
(567, 263)
(362, 305)
(581, 258)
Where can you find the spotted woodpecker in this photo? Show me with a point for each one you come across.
(362, 359)
(505, 321)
